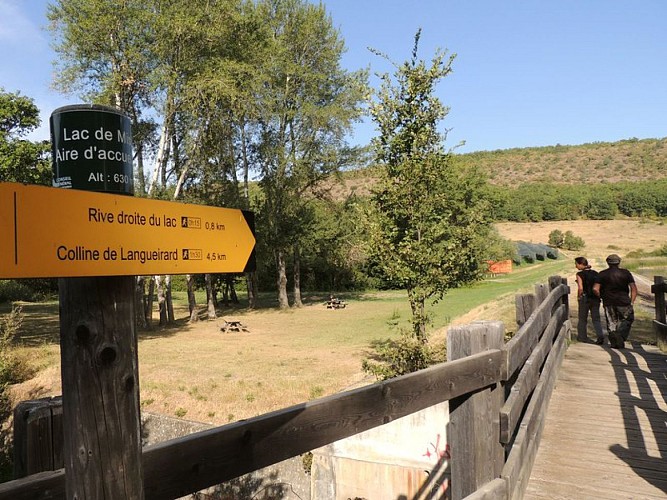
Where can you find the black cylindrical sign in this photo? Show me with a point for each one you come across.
(92, 149)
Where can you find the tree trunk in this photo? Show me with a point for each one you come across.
(297, 277)
(140, 302)
(141, 179)
(170, 303)
(210, 297)
(283, 301)
(232, 292)
(148, 309)
(181, 181)
(417, 306)
(225, 292)
(192, 301)
(251, 284)
(162, 306)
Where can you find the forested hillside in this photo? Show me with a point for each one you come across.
(630, 160)
(600, 162)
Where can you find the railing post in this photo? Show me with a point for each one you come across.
(541, 293)
(38, 436)
(525, 305)
(658, 290)
(474, 420)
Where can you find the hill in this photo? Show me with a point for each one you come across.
(630, 160)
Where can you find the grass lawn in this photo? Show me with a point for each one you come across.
(194, 371)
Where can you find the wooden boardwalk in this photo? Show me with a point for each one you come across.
(605, 434)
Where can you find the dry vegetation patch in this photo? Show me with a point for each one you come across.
(602, 237)
(197, 372)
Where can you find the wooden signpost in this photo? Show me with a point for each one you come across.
(96, 242)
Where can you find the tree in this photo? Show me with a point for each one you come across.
(306, 105)
(429, 215)
(21, 160)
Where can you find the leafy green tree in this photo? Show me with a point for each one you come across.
(307, 104)
(429, 215)
(21, 160)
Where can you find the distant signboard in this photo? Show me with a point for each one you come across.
(500, 266)
(48, 232)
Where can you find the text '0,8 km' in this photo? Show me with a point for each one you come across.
(49, 232)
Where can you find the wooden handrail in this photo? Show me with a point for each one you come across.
(194, 462)
(180, 466)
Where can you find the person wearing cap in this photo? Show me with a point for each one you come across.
(616, 286)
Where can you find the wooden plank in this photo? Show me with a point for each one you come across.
(521, 345)
(522, 455)
(528, 378)
(605, 434)
(582, 489)
(472, 432)
(493, 490)
(41, 486)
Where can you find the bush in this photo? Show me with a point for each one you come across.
(28, 290)
(556, 238)
(568, 241)
(399, 357)
(572, 242)
(13, 369)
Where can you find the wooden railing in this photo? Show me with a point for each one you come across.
(493, 445)
(659, 288)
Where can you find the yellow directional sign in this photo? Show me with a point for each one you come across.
(50, 232)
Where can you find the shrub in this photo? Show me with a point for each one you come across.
(556, 238)
(566, 240)
(405, 355)
(572, 242)
(13, 369)
(28, 290)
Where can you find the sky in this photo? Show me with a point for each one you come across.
(527, 72)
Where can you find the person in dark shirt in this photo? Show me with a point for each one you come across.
(588, 301)
(616, 286)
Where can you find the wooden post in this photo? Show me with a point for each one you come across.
(659, 325)
(525, 305)
(474, 420)
(38, 436)
(98, 339)
(659, 291)
(98, 343)
(541, 293)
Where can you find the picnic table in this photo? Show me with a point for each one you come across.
(334, 303)
(233, 325)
